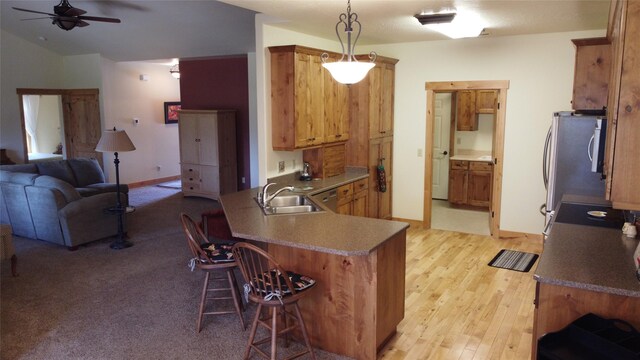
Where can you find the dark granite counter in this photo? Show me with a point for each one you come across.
(322, 231)
(589, 258)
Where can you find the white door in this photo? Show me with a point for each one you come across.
(441, 133)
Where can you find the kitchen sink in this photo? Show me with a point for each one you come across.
(290, 204)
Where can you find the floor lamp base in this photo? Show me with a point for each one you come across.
(120, 244)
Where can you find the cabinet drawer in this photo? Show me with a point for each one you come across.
(480, 165)
(345, 194)
(458, 164)
(360, 185)
(190, 173)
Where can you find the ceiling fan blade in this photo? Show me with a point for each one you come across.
(38, 18)
(74, 12)
(33, 11)
(96, 18)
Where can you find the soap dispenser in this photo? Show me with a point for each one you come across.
(305, 174)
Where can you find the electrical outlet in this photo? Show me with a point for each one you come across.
(158, 167)
(281, 166)
(293, 165)
(419, 152)
(242, 179)
(458, 140)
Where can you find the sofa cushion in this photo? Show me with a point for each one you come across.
(17, 177)
(68, 191)
(58, 169)
(86, 171)
(23, 168)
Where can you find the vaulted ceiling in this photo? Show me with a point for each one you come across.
(189, 28)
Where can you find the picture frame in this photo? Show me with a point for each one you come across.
(171, 112)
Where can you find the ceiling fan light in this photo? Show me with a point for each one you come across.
(426, 19)
(464, 25)
(175, 71)
(348, 72)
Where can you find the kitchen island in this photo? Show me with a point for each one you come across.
(584, 269)
(359, 265)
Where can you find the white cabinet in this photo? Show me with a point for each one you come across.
(208, 152)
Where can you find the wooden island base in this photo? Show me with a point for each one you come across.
(358, 300)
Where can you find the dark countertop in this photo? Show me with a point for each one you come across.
(588, 257)
(322, 231)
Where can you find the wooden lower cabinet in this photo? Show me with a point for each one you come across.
(357, 301)
(352, 198)
(470, 183)
(557, 306)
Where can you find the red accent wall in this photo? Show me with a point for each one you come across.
(221, 83)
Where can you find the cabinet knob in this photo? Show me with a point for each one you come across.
(628, 108)
(339, 135)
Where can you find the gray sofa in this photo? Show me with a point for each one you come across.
(62, 202)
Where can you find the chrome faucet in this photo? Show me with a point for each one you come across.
(265, 198)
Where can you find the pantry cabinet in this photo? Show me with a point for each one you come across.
(380, 153)
(308, 107)
(623, 111)
(208, 162)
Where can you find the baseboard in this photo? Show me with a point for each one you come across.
(153, 181)
(412, 223)
(508, 235)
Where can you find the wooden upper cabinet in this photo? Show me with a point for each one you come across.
(622, 167)
(297, 97)
(592, 73)
(466, 119)
(486, 101)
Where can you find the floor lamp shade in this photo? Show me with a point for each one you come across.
(115, 141)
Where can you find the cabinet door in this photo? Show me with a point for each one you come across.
(336, 110)
(360, 207)
(207, 139)
(386, 100)
(479, 188)
(466, 119)
(309, 101)
(486, 101)
(188, 134)
(380, 202)
(375, 84)
(210, 180)
(591, 75)
(458, 186)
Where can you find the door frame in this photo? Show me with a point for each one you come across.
(65, 114)
(498, 144)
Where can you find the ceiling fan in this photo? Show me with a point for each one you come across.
(67, 17)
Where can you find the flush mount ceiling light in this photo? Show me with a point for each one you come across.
(455, 26)
(350, 70)
(175, 71)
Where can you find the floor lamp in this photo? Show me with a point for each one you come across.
(115, 141)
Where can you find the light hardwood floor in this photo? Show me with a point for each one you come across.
(458, 307)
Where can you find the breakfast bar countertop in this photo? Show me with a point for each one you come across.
(322, 231)
(589, 258)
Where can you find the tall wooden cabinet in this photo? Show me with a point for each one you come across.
(208, 161)
(371, 125)
(622, 165)
(308, 107)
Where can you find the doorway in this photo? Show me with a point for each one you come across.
(497, 144)
(78, 127)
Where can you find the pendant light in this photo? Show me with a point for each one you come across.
(348, 71)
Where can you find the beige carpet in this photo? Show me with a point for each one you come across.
(444, 217)
(135, 303)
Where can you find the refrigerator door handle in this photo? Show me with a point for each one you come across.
(545, 160)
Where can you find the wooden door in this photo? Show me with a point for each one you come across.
(386, 152)
(466, 119)
(375, 82)
(458, 186)
(309, 101)
(188, 134)
(82, 129)
(591, 74)
(359, 207)
(386, 99)
(336, 110)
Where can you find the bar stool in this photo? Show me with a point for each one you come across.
(212, 258)
(214, 224)
(267, 286)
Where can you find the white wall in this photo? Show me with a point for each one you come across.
(125, 96)
(478, 140)
(22, 65)
(540, 71)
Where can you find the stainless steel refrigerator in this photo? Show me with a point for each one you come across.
(573, 158)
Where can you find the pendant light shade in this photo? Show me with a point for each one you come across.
(348, 70)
